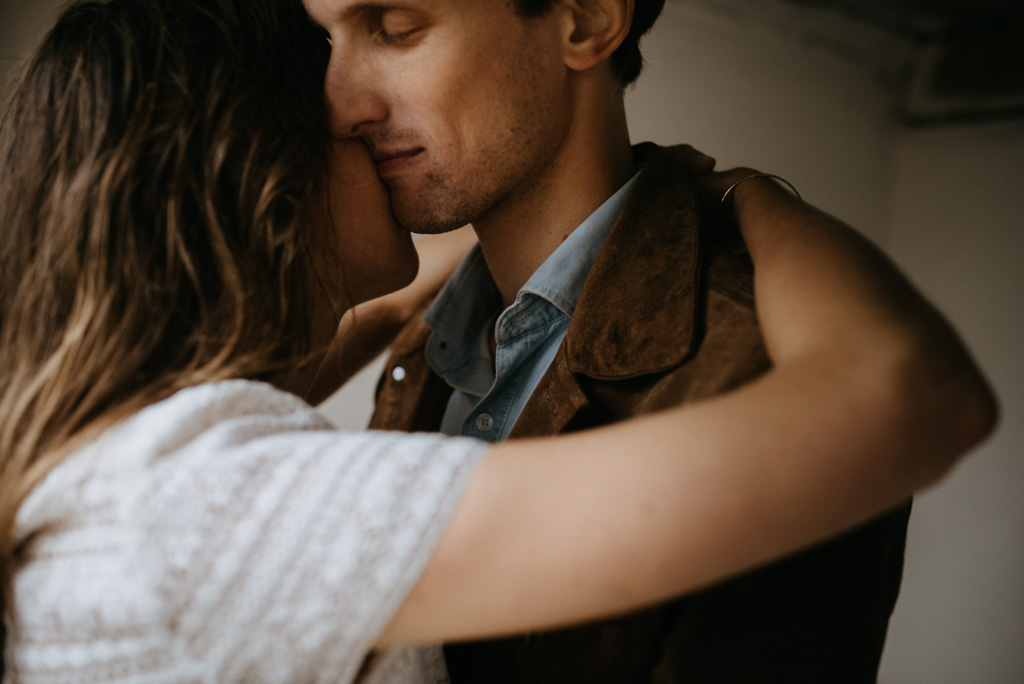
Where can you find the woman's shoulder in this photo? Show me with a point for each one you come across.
(230, 412)
(229, 434)
(248, 519)
(244, 409)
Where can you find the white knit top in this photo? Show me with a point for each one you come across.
(229, 534)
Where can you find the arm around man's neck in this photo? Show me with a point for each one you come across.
(871, 397)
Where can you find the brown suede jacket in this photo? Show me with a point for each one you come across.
(666, 316)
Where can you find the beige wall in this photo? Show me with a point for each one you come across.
(756, 97)
(957, 230)
(946, 204)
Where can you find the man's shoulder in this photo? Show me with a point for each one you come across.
(667, 234)
(666, 263)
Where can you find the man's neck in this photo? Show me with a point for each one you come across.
(518, 235)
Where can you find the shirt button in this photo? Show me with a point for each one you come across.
(484, 422)
(398, 374)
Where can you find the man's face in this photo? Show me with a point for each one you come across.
(462, 103)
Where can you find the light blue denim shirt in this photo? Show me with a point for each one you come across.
(489, 394)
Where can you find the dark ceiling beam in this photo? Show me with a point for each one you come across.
(968, 59)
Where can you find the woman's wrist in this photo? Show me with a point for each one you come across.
(753, 192)
(755, 205)
(754, 175)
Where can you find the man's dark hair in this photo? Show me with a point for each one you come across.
(627, 60)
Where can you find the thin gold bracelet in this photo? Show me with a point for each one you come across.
(780, 179)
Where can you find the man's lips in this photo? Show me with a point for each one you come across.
(391, 161)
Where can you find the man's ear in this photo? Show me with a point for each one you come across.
(594, 30)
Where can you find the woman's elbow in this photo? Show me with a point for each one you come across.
(945, 404)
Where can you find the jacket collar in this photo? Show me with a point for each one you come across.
(637, 311)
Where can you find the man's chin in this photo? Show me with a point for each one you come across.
(422, 218)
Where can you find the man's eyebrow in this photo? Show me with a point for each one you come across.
(358, 8)
(372, 6)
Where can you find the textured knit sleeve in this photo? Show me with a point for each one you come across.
(284, 550)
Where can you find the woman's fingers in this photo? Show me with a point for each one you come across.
(695, 160)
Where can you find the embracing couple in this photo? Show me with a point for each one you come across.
(206, 234)
(603, 288)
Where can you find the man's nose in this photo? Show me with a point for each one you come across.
(353, 104)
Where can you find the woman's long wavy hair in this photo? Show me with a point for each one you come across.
(161, 170)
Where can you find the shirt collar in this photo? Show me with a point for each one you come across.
(466, 304)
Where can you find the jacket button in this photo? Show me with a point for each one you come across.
(398, 374)
(484, 422)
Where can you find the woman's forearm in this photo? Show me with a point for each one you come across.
(366, 330)
(871, 398)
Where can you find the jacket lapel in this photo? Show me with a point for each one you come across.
(636, 314)
(557, 399)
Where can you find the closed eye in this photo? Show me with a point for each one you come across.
(397, 26)
(395, 38)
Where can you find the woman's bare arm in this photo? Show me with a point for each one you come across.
(871, 397)
(366, 330)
